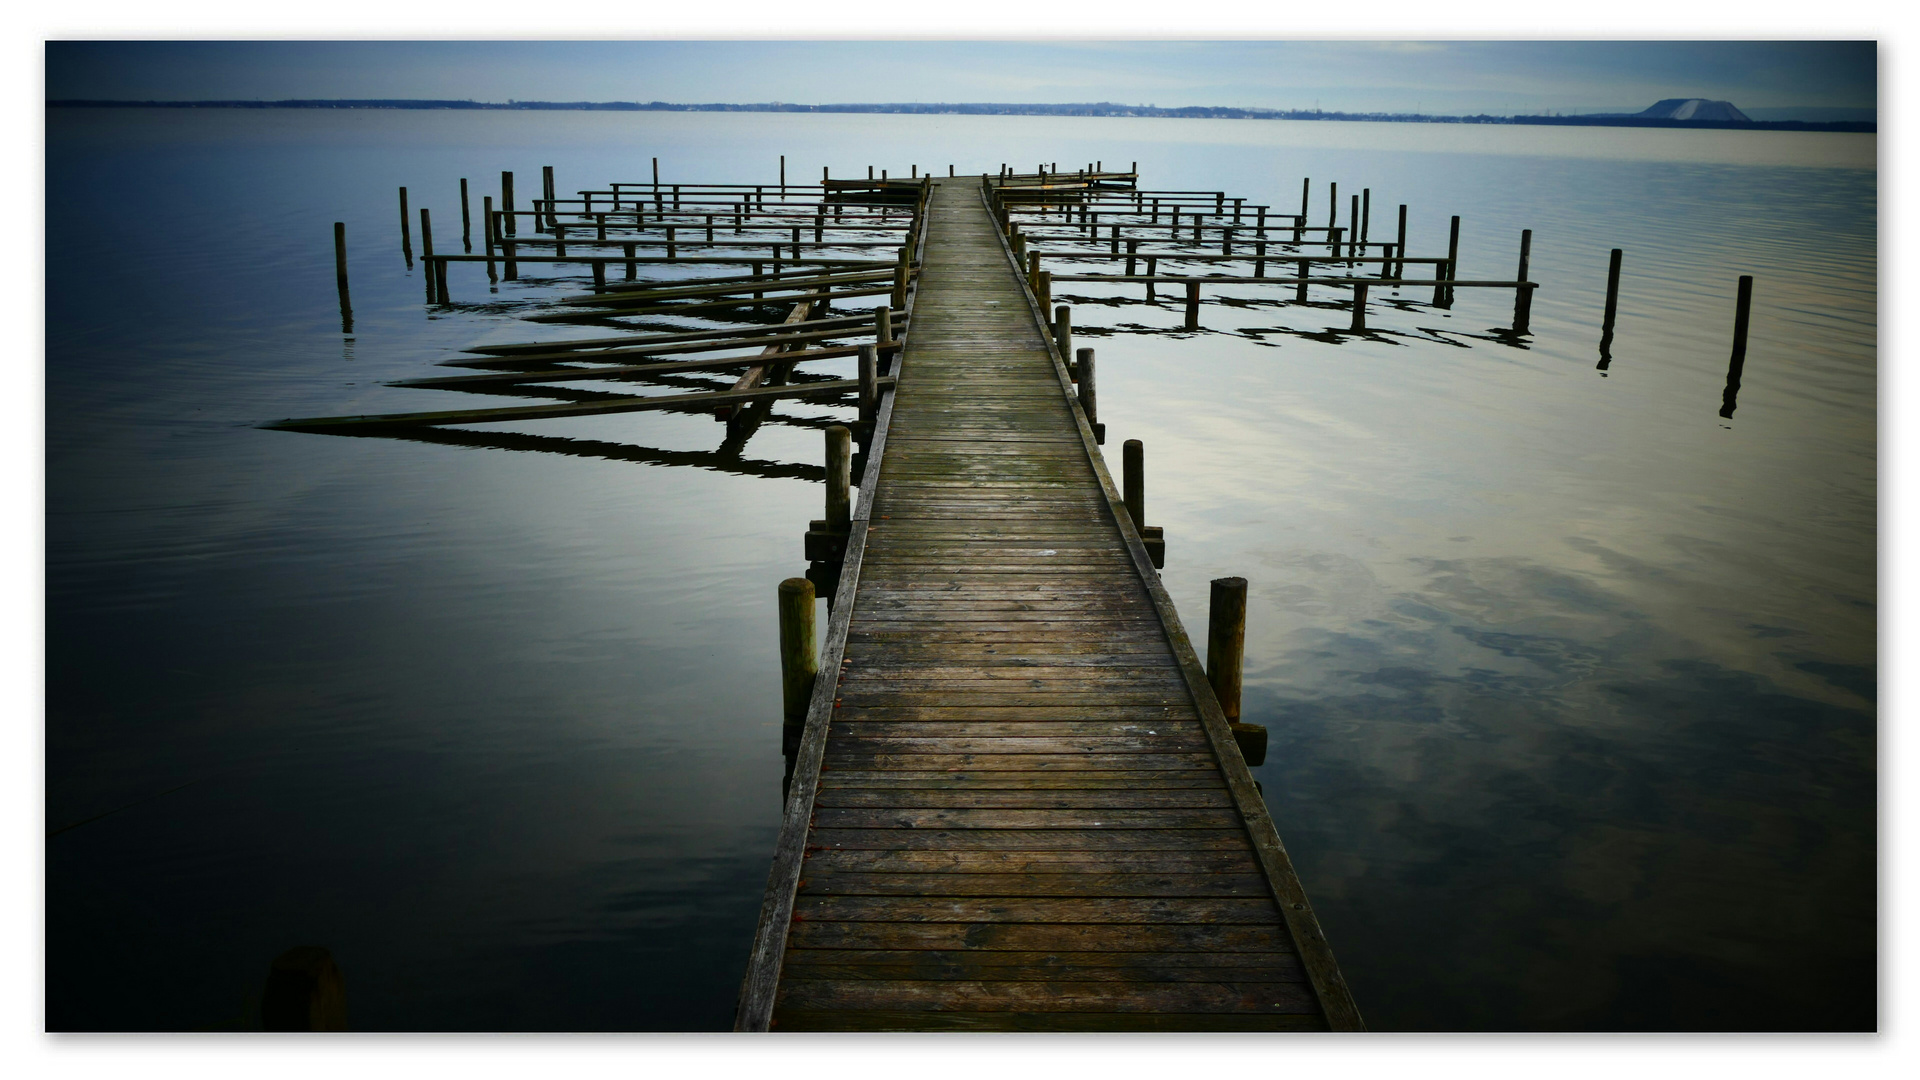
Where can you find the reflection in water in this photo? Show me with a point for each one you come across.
(1571, 690)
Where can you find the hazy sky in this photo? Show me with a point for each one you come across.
(1448, 77)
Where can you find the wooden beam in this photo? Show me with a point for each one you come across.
(348, 424)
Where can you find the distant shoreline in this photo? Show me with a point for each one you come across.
(1102, 109)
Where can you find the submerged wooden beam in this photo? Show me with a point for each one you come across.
(378, 421)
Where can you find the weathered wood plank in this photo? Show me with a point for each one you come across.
(1245, 884)
(1050, 996)
(944, 1020)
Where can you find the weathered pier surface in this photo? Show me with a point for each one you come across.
(1017, 804)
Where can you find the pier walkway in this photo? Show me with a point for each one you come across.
(1017, 804)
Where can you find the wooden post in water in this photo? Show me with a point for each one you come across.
(869, 384)
(1063, 334)
(506, 207)
(1737, 363)
(1613, 296)
(1153, 261)
(547, 192)
(799, 658)
(1133, 484)
(1089, 403)
(1046, 289)
(466, 219)
(1300, 290)
(1353, 230)
(1359, 306)
(304, 992)
(1226, 641)
(1400, 248)
(783, 176)
(1306, 185)
(1193, 304)
(340, 275)
(426, 251)
(1443, 295)
(1333, 204)
(1366, 217)
(406, 234)
(839, 479)
(1226, 649)
(1523, 296)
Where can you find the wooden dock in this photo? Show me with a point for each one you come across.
(1017, 804)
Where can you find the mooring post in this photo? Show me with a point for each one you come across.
(1613, 294)
(489, 228)
(1089, 404)
(1045, 296)
(1226, 641)
(1333, 204)
(883, 325)
(1359, 306)
(426, 251)
(869, 384)
(1300, 223)
(1063, 335)
(340, 275)
(839, 478)
(1353, 231)
(1443, 296)
(466, 219)
(799, 659)
(1737, 363)
(1153, 263)
(1333, 242)
(506, 205)
(1523, 296)
(783, 176)
(1366, 217)
(1193, 304)
(548, 193)
(1226, 648)
(1300, 290)
(1133, 483)
(406, 234)
(304, 992)
(1400, 248)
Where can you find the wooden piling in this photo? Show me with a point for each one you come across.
(1333, 204)
(839, 478)
(1045, 295)
(1063, 334)
(1400, 247)
(1366, 217)
(1299, 223)
(631, 251)
(1523, 296)
(547, 192)
(340, 275)
(406, 236)
(1133, 482)
(506, 207)
(783, 176)
(304, 992)
(466, 219)
(799, 658)
(426, 251)
(1226, 641)
(1353, 228)
(1737, 362)
(1452, 268)
(1089, 403)
(1193, 304)
(1359, 306)
(869, 383)
(1613, 293)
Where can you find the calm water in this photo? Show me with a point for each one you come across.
(1570, 679)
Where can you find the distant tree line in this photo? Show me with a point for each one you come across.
(1208, 112)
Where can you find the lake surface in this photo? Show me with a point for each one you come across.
(1570, 679)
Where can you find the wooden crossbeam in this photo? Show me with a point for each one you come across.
(346, 424)
(643, 342)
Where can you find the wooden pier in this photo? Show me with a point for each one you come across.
(1017, 804)
(1016, 800)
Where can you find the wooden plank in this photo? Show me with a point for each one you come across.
(1000, 863)
(947, 1020)
(1234, 839)
(1040, 937)
(1248, 883)
(1050, 996)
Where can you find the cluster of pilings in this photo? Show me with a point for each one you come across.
(1088, 218)
(810, 250)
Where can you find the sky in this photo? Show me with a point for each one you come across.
(1447, 77)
